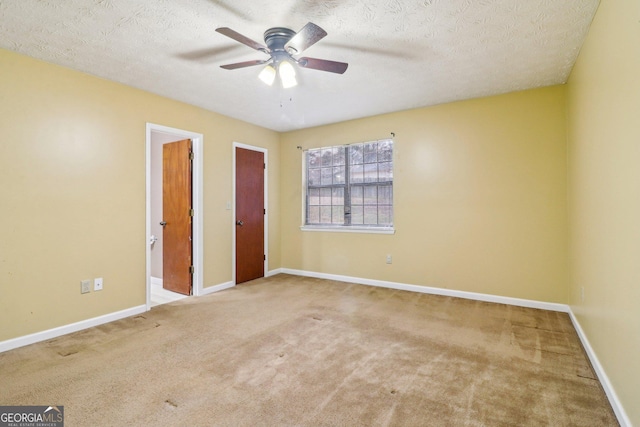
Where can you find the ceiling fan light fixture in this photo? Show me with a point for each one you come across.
(268, 74)
(287, 74)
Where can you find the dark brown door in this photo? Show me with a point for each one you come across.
(250, 254)
(176, 212)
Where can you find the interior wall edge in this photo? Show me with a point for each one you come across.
(274, 272)
(519, 302)
(615, 402)
(216, 288)
(48, 334)
(612, 396)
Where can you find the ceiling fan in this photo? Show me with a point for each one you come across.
(282, 44)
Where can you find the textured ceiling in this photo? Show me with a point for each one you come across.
(402, 54)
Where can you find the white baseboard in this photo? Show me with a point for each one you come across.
(227, 285)
(205, 291)
(67, 329)
(621, 414)
(216, 288)
(564, 308)
(274, 272)
(618, 409)
(96, 321)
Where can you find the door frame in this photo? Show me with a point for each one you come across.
(197, 203)
(265, 152)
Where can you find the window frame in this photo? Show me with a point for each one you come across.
(346, 228)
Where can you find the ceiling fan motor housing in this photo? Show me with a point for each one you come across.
(277, 37)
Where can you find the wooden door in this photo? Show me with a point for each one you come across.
(250, 254)
(177, 215)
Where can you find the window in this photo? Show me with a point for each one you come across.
(350, 186)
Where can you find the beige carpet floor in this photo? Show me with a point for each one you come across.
(293, 351)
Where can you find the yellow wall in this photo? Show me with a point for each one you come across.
(604, 194)
(479, 195)
(72, 199)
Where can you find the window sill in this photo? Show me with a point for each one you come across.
(348, 229)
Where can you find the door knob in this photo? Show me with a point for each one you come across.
(163, 223)
(240, 223)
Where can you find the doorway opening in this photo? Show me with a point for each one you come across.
(158, 139)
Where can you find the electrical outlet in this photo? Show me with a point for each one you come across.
(85, 286)
(97, 284)
(389, 259)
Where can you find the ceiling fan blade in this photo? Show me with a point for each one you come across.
(323, 65)
(306, 37)
(242, 39)
(244, 64)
